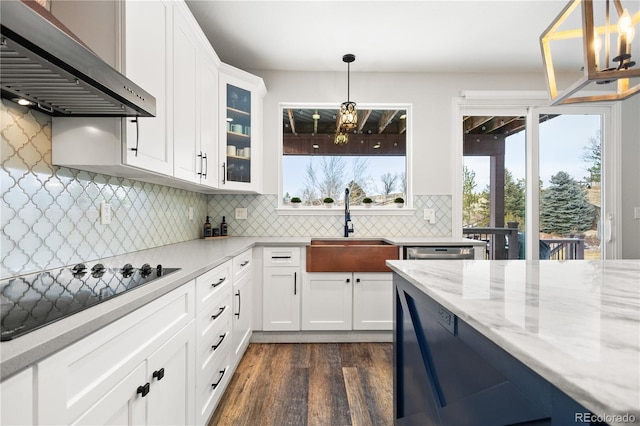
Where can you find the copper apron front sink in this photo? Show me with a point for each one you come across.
(350, 255)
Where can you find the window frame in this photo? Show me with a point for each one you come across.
(356, 210)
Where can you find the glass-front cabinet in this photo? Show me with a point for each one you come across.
(240, 148)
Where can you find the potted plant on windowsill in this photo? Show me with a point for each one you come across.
(328, 202)
(367, 202)
(399, 202)
(295, 202)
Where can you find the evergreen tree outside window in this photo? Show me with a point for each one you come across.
(565, 208)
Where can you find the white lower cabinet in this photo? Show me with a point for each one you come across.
(347, 301)
(157, 392)
(327, 299)
(171, 374)
(373, 301)
(282, 289)
(16, 399)
(242, 307)
(108, 377)
(120, 406)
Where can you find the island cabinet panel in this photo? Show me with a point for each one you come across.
(447, 373)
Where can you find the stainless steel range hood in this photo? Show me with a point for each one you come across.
(42, 63)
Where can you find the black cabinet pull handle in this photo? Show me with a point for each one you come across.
(295, 283)
(281, 257)
(357, 280)
(215, 385)
(215, 316)
(348, 280)
(135, 120)
(144, 390)
(220, 281)
(159, 374)
(206, 163)
(200, 156)
(245, 263)
(224, 173)
(239, 303)
(214, 347)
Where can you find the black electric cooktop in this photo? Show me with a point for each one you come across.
(32, 301)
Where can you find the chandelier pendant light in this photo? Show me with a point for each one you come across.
(604, 37)
(348, 111)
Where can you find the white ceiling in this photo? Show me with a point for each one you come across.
(385, 36)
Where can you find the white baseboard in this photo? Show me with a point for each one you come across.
(321, 336)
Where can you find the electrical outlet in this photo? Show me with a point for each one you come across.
(190, 213)
(105, 213)
(636, 212)
(430, 215)
(241, 213)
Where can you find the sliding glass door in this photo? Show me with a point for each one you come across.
(539, 183)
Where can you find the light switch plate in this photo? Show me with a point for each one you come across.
(430, 215)
(105, 213)
(190, 213)
(241, 213)
(636, 212)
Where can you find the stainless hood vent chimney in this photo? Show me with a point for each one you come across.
(42, 63)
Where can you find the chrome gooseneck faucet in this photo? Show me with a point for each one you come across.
(348, 226)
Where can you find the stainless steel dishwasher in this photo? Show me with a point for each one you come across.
(438, 252)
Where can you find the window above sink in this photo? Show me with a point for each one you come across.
(372, 164)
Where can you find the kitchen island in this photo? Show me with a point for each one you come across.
(508, 342)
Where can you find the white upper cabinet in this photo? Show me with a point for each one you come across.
(240, 95)
(194, 102)
(209, 123)
(141, 36)
(148, 53)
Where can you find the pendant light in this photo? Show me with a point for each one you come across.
(348, 111)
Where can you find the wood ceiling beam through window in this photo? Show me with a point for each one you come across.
(498, 124)
(292, 121)
(473, 122)
(363, 116)
(385, 119)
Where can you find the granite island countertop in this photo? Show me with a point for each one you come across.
(575, 323)
(194, 257)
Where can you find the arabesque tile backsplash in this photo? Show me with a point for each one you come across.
(50, 215)
(263, 221)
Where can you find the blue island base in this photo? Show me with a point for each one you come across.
(447, 373)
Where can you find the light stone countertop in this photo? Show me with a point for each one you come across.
(195, 257)
(575, 323)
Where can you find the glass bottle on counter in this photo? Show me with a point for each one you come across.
(208, 231)
(223, 227)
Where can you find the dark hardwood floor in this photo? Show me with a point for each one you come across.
(333, 384)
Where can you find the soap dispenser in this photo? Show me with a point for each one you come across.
(223, 227)
(208, 231)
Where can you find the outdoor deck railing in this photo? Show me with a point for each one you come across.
(502, 243)
(566, 248)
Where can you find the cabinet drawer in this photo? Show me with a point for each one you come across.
(242, 264)
(212, 283)
(212, 315)
(281, 256)
(207, 395)
(74, 379)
